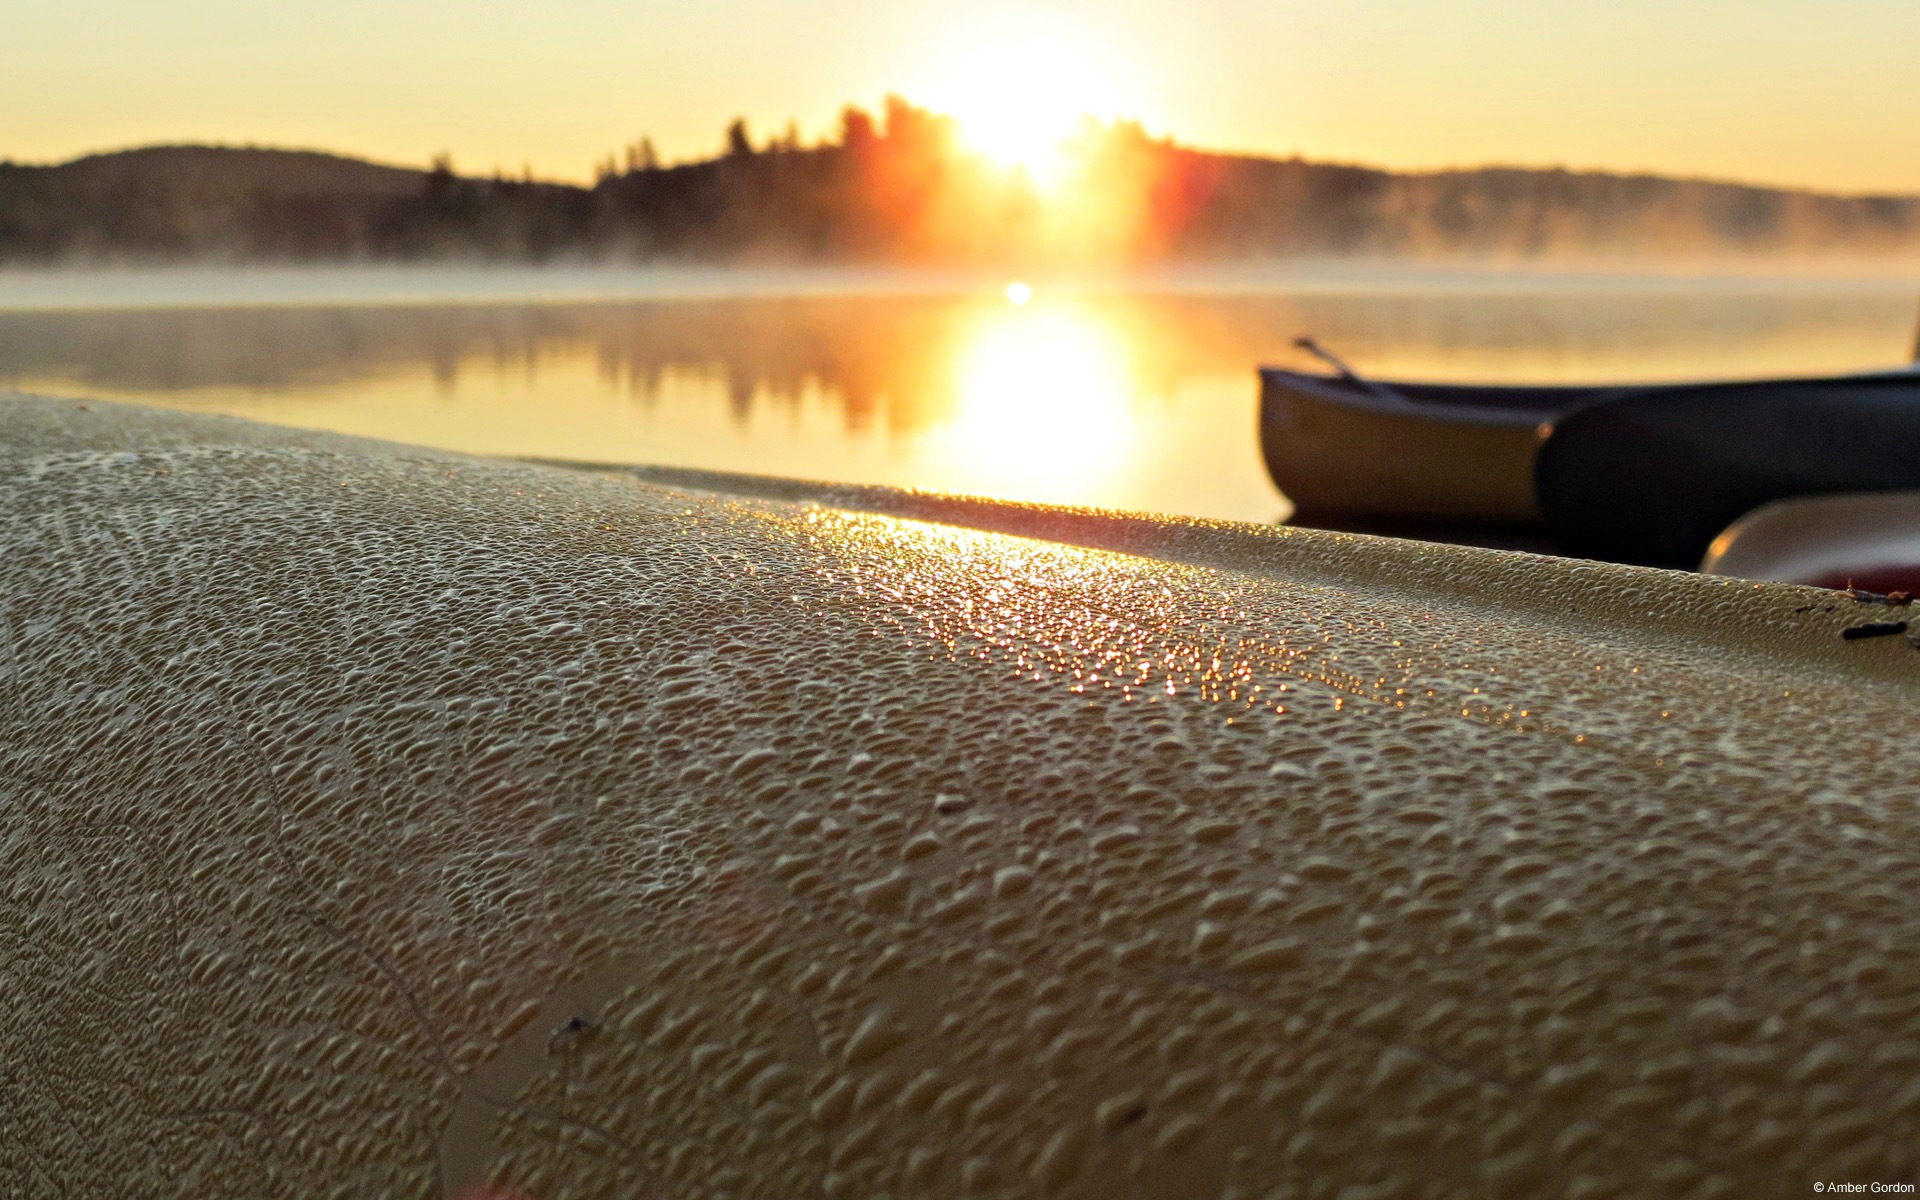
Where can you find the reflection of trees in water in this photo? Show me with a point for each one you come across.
(891, 361)
(881, 361)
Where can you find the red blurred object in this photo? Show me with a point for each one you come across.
(1869, 542)
(1884, 578)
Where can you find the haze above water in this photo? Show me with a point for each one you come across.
(1137, 397)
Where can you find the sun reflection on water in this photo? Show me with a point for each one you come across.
(1116, 399)
(1044, 403)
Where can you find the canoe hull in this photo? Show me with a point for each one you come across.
(1338, 452)
(381, 824)
(1653, 479)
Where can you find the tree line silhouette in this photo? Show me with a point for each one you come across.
(901, 187)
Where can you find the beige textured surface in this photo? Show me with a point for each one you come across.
(382, 823)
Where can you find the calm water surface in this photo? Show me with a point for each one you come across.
(1136, 398)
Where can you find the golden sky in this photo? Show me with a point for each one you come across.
(1819, 93)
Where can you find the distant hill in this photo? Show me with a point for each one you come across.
(901, 188)
(218, 171)
(1260, 207)
(184, 202)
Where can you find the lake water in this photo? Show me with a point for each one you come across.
(1138, 396)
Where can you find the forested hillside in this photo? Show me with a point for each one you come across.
(901, 187)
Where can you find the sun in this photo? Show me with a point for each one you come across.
(1018, 101)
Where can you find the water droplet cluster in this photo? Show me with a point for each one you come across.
(375, 823)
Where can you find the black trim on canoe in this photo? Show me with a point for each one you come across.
(1451, 399)
(1652, 478)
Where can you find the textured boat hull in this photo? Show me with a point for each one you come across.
(377, 822)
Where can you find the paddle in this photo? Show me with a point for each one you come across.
(1348, 373)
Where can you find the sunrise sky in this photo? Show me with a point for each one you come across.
(1819, 93)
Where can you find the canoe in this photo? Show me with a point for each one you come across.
(1338, 448)
(1867, 541)
(382, 822)
(1645, 474)
(1653, 477)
